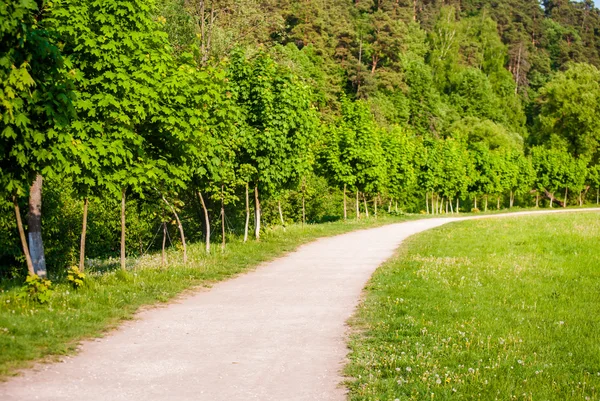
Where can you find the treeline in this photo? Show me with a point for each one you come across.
(159, 119)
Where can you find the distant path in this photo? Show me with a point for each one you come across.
(274, 334)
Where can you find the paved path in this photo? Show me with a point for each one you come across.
(274, 334)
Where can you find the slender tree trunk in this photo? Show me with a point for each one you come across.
(551, 200)
(345, 206)
(357, 206)
(223, 239)
(83, 234)
(427, 201)
(598, 196)
(303, 201)
(30, 268)
(180, 227)
(280, 213)
(446, 202)
(164, 242)
(34, 222)
(537, 200)
(498, 205)
(457, 205)
(123, 265)
(512, 199)
(486, 203)
(451, 207)
(475, 202)
(375, 205)
(206, 222)
(432, 202)
(566, 197)
(581, 198)
(396, 206)
(366, 206)
(247, 214)
(390, 207)
(256, 214)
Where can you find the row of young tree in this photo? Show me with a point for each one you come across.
(166, 104)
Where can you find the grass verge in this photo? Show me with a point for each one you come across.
(484, 310)
(32, 332)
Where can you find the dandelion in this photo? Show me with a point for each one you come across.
(471, 370)
(438, 381)
(408, 369)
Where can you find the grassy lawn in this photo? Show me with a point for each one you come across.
(505, 309)
(29, 331)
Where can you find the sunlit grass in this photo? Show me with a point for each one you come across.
(29, 331)
(499, 309)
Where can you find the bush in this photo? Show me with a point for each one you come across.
(37, 289)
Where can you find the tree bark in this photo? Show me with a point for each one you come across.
(256, 214)
(486, 203)
(357, 206)
(396, 206)
(512, 199)
(457, 205)
(345, 206)
(123, 264)
(366, 206)
(451, 206)
(180, 227)
(598, 196)
(390, 207)
(303, 201)
(432, 202)
(164, 242)
(247, 214)
(83, 234)
(375, 205)
(475, 202)
(566, 197)
(206, 222)
(280, 213)
(427, 201)
(537, 200)
(223, 240)
(30, 268)
(34, 222)
(498, 205)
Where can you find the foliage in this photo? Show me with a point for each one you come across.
(36, 289)
(76, 277)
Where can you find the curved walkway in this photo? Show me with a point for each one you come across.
(274, 334)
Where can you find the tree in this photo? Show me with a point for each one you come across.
(35, 100)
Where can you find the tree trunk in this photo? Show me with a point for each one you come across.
(446, 202)
(396, 206)
(83, 233)
(345, 206)
(180, 227)
(164, 242)
(566, 197)
(432, 202)
(375, 205)
(598, 196)
(581, 198)
(223, 240)
(498, 205)
(457, 205)
(451, 207)
(486, 203)
(512, 199)
(551, 200)
(30, 268)
(280, 213)
(206, 222)
(256, 214)
(247, 214)
(303, 201)
(123, 265)
(475, 202)
(357, 206)
(366, 206)
(427, 201)
(34, 223)
(390, 207)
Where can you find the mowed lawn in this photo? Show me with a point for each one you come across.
(497, 309)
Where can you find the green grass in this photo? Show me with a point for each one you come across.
(498, 309)
(31, 332)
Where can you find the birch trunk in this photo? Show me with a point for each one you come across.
(357, 206)
(256, 214)
(427, 201)
(164, 242)
(280, 214)
(123, 265)
(366, 206)
(83, 234)
(566, 197)
(345, 206)
(206, 222)
(247, 225)
(223, 239)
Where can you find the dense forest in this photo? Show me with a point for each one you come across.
(127, 122)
